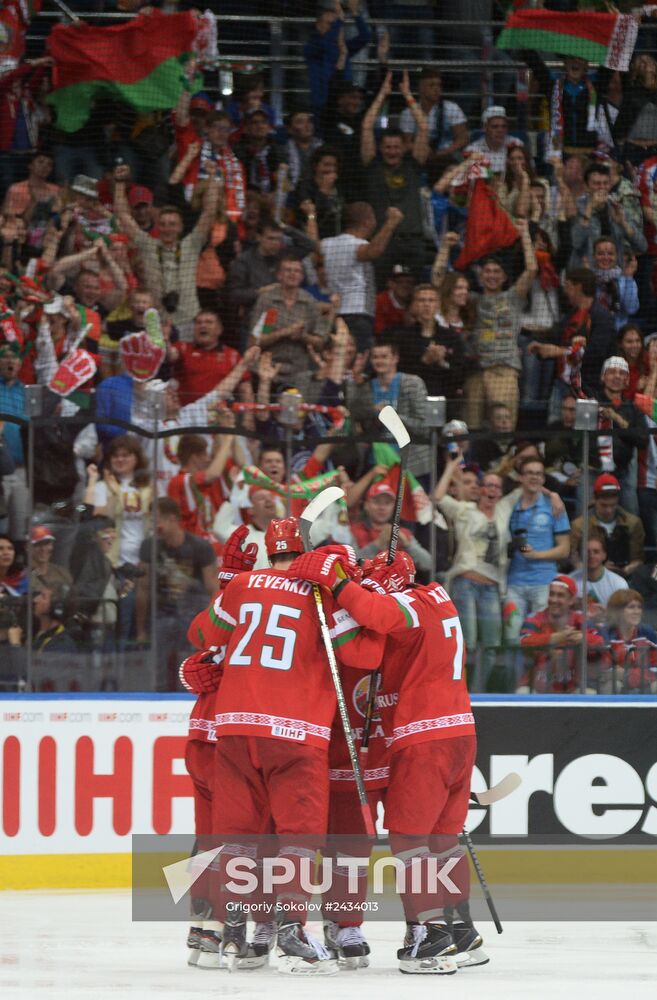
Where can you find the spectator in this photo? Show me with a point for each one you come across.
(301, 146)
(19, 116)
(200, 487)
(320, 192)
(573, 129)
(553, 636)
(539, 540)
(12, 401)
(488, 452)
(258, 267)
(601, 582)
(35, 198)
(563, 453)
(624, 532)
(202, 363)
(633, 658)
(634, 130)
(393, 179)
(631, 347)
(393, 303)
(616, 289)
(432, 349)
(55, 650)
(140, 200)
(598, 215)
(264, 508)
(327, 50)
(513, 188)
(59, 330)
(341, 127)
(45, 572)
(477, 576)
(407, 394)
(13, 579)
(495, 335)
(448, 126)
(284, 320)
(96, 588)
(582, 340)
(249, 95)
(348, 260)
(260, 156)
(170, 260)
(124, 495)
(186, 573)
(496, 141)
(371, 531)
(623, 429)
(139, 302)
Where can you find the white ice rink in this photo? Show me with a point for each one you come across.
(83, 946)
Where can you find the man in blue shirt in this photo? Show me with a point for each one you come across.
(12, 402)
(539, 539)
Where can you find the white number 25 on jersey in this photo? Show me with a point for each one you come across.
(452, 626)
(267, 655)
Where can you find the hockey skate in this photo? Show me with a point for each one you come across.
(233, 945)
(301, 955)
(428, 950)
(264, 939)
(209, 954)
(194, 944)
(347, 944)
(467, 939)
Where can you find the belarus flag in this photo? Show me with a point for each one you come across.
(139, 62)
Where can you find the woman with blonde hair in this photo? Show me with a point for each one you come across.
(632, 659)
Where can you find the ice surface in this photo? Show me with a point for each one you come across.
(83, 946)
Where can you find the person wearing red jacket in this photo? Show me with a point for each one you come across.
(554, 636)
(425, 707)
(273, 714)
(200, 673)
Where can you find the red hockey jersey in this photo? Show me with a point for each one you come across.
(276, 679)
(356, 685)
(423, 694)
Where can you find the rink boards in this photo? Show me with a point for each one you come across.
(79, 775)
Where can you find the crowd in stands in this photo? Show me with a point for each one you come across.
(280, 281)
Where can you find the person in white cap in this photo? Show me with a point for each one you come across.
(623, 423)
(496, 139)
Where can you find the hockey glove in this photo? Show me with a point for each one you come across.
(318, 567)
(201, 672)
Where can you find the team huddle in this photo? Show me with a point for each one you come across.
(268, 754)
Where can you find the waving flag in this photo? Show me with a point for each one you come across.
(139, 62)
(605, 39)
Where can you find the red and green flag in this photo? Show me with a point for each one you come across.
(416, 505)
(604, 39)
(647, 405)
(140, 62)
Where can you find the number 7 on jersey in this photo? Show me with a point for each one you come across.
(452, 626)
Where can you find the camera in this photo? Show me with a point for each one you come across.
(518, 542)
(129, 571)
(170, 301)
(10, 609)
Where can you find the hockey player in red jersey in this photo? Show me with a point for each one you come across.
(273, 715)
(200, 673)
(426, 710)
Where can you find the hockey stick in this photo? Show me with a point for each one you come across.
(309, 516)
(499, 791)
(316, 507)
(394, 424)
(482, 881)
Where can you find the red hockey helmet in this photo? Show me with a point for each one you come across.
(283, 535)
(397, 576)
